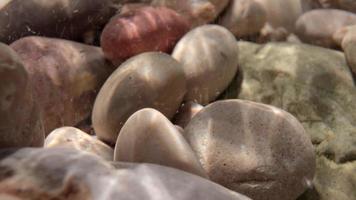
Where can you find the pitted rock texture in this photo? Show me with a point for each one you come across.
(255, 149)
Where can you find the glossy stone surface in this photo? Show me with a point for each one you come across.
(149, 137)
(208, 56)
(152, 80)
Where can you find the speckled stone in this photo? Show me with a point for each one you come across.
(255, 149)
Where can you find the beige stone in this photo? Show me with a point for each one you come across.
(208, 56)
(255, 149)
(149, 137)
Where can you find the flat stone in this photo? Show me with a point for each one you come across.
(149, 137)
(255, 149)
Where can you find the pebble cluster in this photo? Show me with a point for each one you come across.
(177, 100)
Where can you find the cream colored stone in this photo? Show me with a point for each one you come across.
(151, 79)
(149, 137)
(208, 55)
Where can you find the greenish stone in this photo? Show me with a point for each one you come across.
(316, 86)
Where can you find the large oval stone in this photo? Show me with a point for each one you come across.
(256, 149)
(151, 79)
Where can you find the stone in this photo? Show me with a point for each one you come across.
(149, 80)
(20, 121)
(65, 77)
(149, 137)
(255, 149)
(186, 112)
(318, 26)
(62, 173)
(71, 137)
(208, 56)
(244, 17)
(315, 85)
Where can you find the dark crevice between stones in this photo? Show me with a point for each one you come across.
(234, 88)
(5, 172)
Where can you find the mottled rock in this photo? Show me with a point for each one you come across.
(149, 137)
(186, 112)
(152, 80)
(318, 26)
(65, 77)
(208, 55)
(244, 17)
(58, 173)
(255, 149)
(315, 85)
(71, 137)
(20, 122)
